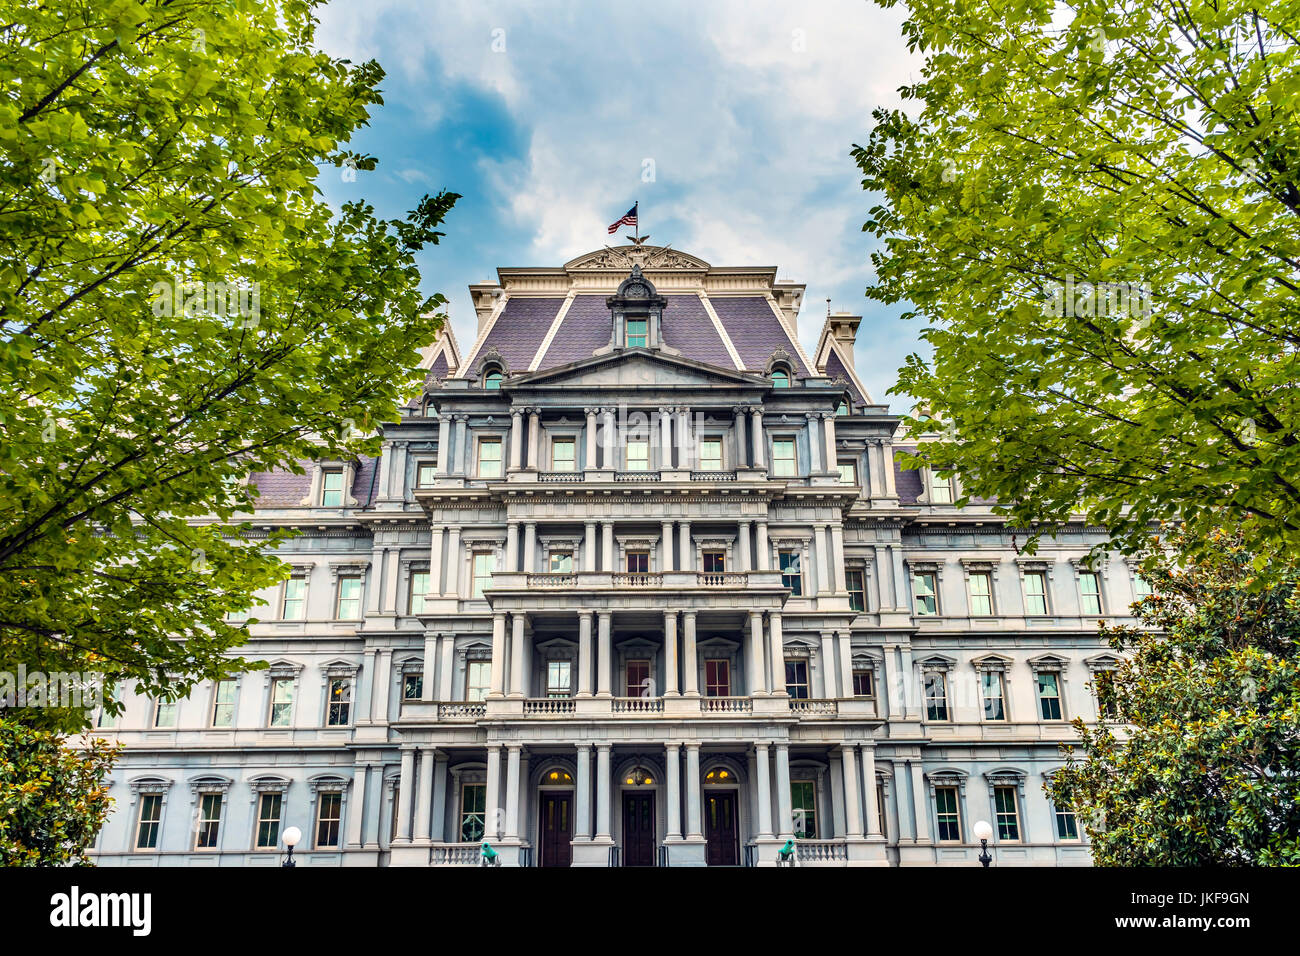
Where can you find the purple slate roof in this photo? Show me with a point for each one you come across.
(906, 483)
(363, 480)
(755, 331)
(438, 370)
(519, 331)
(834, 367)
(586, 327)
(284, 489)
(688, 328)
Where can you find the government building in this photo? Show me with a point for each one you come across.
(636, 581)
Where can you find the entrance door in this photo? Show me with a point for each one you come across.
(638, 829)
(720, 828)
(557, 827)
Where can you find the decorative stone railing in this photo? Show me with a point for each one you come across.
(454, 854)
(638, 705)
(821, 851)
(548, 706)
(727, 705)
(637, 476)
(452, 709)
(722, 579)
(637, 580)
(560, 476)
(713, 476)
(552, 579)
(813, 707)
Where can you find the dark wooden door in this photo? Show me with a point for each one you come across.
(638, 829)
(557, 827)
(720, 828)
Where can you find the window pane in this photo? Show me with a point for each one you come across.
(281, 701)
(711, 454)
(1004, 801)
(796, 679)
(864, 684)
(295, 599)
(557, 678)
(715, 562)
(331, 491)
(848, 473)
(473, 803)
(164, 713)
(981, 593)
(936, 696)
(784, 461)
(564, 455)
(150, 816)
(638, 679)
(717, 678)
(419, 590)
(1049, 695)
(329, 812)
(638, 456)
(209, 820)
(923, 589)
(856, 583)
(561, 562)
(1035, 593)
(349, 608)
(477, 680)
(780, 378)
(638, 562)
(941, 491)
(1089, 592)
(791, 573)
(489, 458)
(803, 804)
(636, 332)
(991, 688)
(340, 699)
(425, 476)
(223, 704)
(949, 820)
(268, 820)
(412, 686)
(485, 564)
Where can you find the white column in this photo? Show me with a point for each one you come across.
(435, 563)
(674, 795)
(430, 667)
(534, 436)
(582, 809)
(584, 653)
(604, 650)
(379, 690)
(887, 466)
(757, 436)
(516, 439)
(763, 558)
(448, 667)
(691, 683)
(530, 547)
(693, 784)
(437, 831)
(837, 557)
(832, 455)
(498, 688)
(453, 563)
(814, 445)
(512, 792)
(517, 654)
(666, 549)
(356, 817)
(665, 438)
(424, 802)
(869, 788)
(444, 444)
(745, 558)
(670, 654)
(458, 443)
(609, 436)
(589, 546)
(492, 805)
(846, 665)
(686, 562)
(602, 792)
(741, 456)
(764, 792)
(590, 463)
(754, 656)
(684, 443)
(512, 547)
(785, 812)
(404, 787)
(778, 653)
(852, 806)
(607, 546)
(823, 574)
(830, 687)
(920, 803)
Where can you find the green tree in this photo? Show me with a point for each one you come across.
(178, 308)
(1095, 208)
(1198, 762)
(53, 798)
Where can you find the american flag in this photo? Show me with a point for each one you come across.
(629, 219)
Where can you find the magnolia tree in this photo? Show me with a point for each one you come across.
(178, 308)
(1095, 208)
(1197, 761)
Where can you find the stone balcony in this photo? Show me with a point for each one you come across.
(680, 707)
(661, 590)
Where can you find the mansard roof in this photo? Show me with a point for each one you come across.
(633, 367)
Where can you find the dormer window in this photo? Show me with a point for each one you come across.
(637, 332)
(780, 377)
(331, 489)
(843, 409)
(492, 379)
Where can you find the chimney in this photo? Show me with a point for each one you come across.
(485, 296)
(843, 327)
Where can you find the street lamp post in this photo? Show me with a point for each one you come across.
(982, 833)
(291, 837)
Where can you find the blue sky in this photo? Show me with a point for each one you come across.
(730, 121)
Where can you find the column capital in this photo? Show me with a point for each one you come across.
(761, 746)
(673, 745)
(603, 748)
(514, 746)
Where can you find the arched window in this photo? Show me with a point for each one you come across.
(492, 378)
(780, 377)
(719, 775)
(556, 777)
(638, 777)
(843, 409)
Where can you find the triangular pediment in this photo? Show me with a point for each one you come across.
(636, 368)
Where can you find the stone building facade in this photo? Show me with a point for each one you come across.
(636, 582)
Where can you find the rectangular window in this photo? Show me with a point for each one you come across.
(1103, 686)
(791, 574)
(269, 806)
(796, 679)
(223, 704)
(711, 454)
(419, 592)
(848, 472)
(281, 701)
(478, 678)
(146, 832)
(485, 564)
(636, 332)
(864, 684)
(992, 692)
(1049, 695)
(1089, 593)
(164, 712)
(564, 454)
(947, 815)
(329, 811)
(331, 488)
(1141, 587)
(340, 701)
(489, 457)
(209, 821)
(425, 474)
(349, 605)
(713, 562)
(1067, 828)
(856, 582)
(295, 600)
(717, 678)
(940, 490)
(558, 675)
(560, 562)
(785, 461)
(473, 805)
(980, 592)
(412, 685)
(638, 679)
(638, 562)
(1004, 802)
(638, 455)
(1035, 593)
(923, 592)
(803, 803)
(936, 696)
